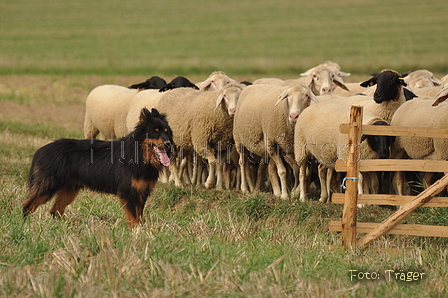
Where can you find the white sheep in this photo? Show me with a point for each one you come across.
(319, 79)
(264, 125)
(332, 65)
(428, 92)
(216, 81)
(421, 113)
(144, 99)
(106, 110)
(317, 133)
(202, 122)
(421, 78)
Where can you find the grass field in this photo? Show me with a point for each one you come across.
(193, 242)
(240, 37)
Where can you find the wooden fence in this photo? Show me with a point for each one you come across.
(353, 166)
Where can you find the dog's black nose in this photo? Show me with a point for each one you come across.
(167, 143)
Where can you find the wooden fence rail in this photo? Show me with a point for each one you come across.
(354, 165)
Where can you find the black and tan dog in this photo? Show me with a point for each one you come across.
(128, 168)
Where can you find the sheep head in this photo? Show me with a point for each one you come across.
(321, 79)
(216, 81)
(298, 98)
(228, 97)
(380, 144)
(389, 85)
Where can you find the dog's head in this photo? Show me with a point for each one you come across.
(154, 136)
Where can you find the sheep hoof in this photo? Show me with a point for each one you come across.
(323, 200)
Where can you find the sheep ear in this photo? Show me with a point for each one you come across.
(282, 97)
(408, 94)
(338, 81)
(166, 88)
(436, 81)
(220, 99)
(443, 95)
(344, 74)
(312, 97)
(205, 84)
(191, 85)
(309, 79)
(369, 83)
(304, 74)
(402, 82)
(363, 138)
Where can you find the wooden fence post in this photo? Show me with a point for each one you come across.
(351, 180)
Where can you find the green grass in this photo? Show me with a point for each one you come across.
(240, 37)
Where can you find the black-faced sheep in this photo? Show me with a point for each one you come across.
(154, 82)
(389, 95)
(178, 82)
(317, 133)
(264, 126)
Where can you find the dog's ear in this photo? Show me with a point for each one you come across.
(154, 112)
(145, 114)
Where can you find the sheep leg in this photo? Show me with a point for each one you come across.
(322, 173)
(194, 175)
(182, 165)
(175, 173)
(272, 173)
(360, 186)
(329, 179)
(219, 171)
(295, 169)
(281, 172)
(303, 183)
(243, 166)
(212, 162)
(260, 176)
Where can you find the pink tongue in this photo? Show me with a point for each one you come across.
(161, 154)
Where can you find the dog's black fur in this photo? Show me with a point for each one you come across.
(128, 168)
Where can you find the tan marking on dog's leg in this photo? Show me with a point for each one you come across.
(32, 202)
(64, 197)
(130, 218)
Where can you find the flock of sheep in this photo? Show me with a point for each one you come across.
(275, 134)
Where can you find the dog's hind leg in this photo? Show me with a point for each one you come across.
(33, 201)
(64, 197)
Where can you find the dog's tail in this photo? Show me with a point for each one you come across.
(40, 186)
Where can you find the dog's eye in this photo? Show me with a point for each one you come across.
(166, 130)
(156, 129)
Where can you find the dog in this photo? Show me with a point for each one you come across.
(128, 168)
